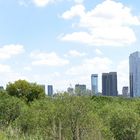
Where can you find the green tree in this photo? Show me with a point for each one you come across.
(10, 109)
(124, 125)
(25, 90)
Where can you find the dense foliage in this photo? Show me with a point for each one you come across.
(25, 90)
(66, 117)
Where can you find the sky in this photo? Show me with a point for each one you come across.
(63, 42)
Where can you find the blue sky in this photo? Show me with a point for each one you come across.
(63, 42)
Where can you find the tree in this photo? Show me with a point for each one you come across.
(25, 90)
(10, 109)
(124, 125)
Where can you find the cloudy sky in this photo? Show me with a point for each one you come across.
(63, 42)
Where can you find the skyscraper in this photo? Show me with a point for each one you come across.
(105, 84)
(80, 89)
(50, 90)
(134, 74)
(94, 84)
(109, 84)
(125, 91)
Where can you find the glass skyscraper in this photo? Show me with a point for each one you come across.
(94, 84)
(50, 90)
(105, 84)
(109, 84)
(134, 74)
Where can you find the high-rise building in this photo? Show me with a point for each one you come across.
(125, 91)
(80, 89)
(1, 88)
(134, 74)
(70, 90)
(105, 84)
(50, 90)
(94, 84)
(109, 84)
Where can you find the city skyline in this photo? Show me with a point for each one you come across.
(63, 42)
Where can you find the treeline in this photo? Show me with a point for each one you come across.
(27, 114)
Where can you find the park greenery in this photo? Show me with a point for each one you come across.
(26, 113)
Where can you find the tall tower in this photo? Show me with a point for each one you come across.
(113, 84)
(109, 84)
(105, 84)
(134, 74)
(50, 90)
(94, 84)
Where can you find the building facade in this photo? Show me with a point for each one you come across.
(94, 84)
(105, 85)
(109, 84)
(80, 89)
(1, 88)
(125, 92)
(50, 90)
(134, 74)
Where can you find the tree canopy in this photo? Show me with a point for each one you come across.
(65, 117)
(25, 90)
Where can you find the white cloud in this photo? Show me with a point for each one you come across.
(50, 59)
(27, 68)
(108, 24)
(75, 53)
(78, 1)
(4, 68)
(78, 10)
(8, 51)
(11, 77)
(89, 66)
(98, 52)
(83, 37)
(38, 3)
(42, 3)
(8, 75)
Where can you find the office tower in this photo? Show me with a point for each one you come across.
(109, 84)
(113, 84)
(1, 88)
(125, 91)
(80, 89)
(70, 90)
(94, 84)
(134, 74)
(50, 90)
(105, 84)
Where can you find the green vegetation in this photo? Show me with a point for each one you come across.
(65, 117)
(25, 90)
